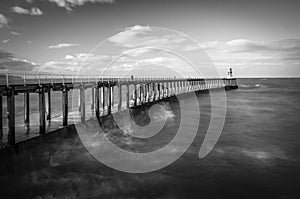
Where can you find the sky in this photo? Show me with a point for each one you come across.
(256, 38)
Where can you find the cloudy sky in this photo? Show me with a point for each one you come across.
(256, 38)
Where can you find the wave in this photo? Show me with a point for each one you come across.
(250, 86)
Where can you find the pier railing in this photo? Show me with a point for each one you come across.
(108, 94)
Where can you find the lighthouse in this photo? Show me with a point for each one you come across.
(230, 73)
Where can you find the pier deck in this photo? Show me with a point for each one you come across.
(106, 95)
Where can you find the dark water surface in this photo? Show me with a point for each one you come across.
(257, 155)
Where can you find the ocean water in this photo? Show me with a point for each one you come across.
(257, 155)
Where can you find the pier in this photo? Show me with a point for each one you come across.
(107, 95)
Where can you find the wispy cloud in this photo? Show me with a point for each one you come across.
(141, 36)
(282, 49)
(3, 21)
(33, 11)
(5, 55)
(69, 4)
(252, 56)
(73, 63)
(15, 33)
(9, 62)
(5, 41)
(62, 45)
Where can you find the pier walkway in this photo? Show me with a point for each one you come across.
(81, 97)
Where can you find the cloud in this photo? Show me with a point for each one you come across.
(9, 63)
(69, 4)
(63, 45)
(145, 36)
(15, 33)
(282, 49)
(5, 55)
(34, 11)
(3, 21)
(5, 41)
(73, 63)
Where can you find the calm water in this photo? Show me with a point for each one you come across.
(257, 155)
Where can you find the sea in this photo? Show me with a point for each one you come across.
(257, 154)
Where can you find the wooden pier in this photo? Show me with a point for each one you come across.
(131, 92)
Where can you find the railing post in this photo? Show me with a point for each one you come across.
(7, 80)
(24, 78)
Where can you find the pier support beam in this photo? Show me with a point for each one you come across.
(112, 96)
(93, 99)
(103, 98)
(82, 104)
(65, 105)
(1, 119)
(145, 92)
(154, 93)
(140, 93)
(49, 104)
(42, 110)
(11, 137)
(149, 91)
(159, 90)
(97, 102)
(120, 97)
(26, 110)
(109, 98)
(128, 99)
(135, 95)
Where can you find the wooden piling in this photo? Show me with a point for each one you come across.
(103, 98)
(149, 91)
(128, 99)
(159, 90)
(26, 110)
(135, 95)
(109, 98)
(82, 104)
(140, 93)
(93, 99)
(97, 102)
(120, 97)
(145, 93)
(65, 105)
(112, 96)
(11, 137)
(42, 110)
(49, 104)
(154, 92)
(1, 119)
